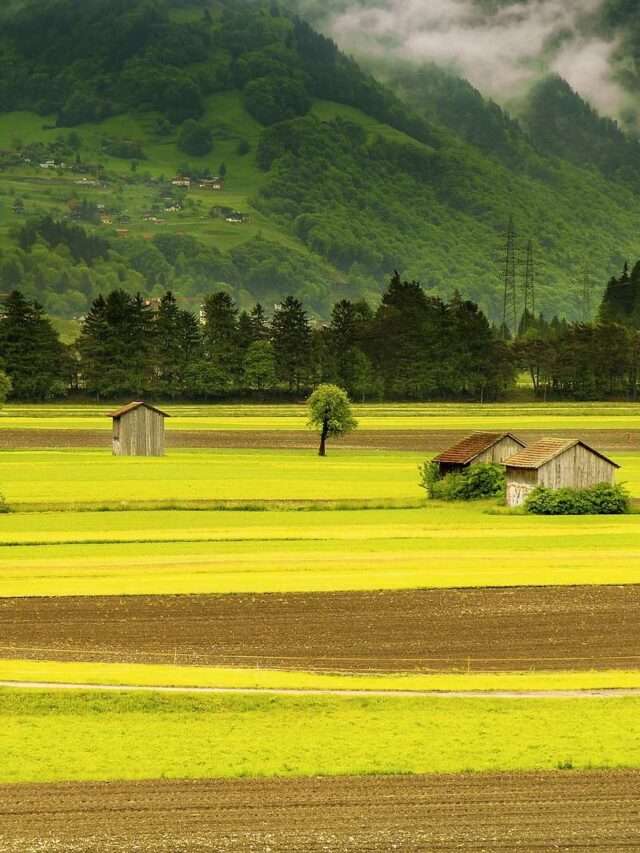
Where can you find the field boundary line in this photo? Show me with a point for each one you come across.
(231, 505)
(589, 693)
(463, 659)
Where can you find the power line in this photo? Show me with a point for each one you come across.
(510, 310)
(530, 282)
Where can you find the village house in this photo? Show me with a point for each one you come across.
(556, 463)
(213, 184)
(237, 218)
(478, 448)
(138, 430)
(181, 181)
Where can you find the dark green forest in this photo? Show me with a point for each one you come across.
(411, 346)
(345, 180)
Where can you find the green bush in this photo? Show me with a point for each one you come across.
(602, 499)
(429, 477)
(195, 138)
(474, 483)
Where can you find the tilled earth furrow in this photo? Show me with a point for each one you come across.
(528, 811)
(503, 630)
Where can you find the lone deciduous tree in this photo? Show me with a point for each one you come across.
(330, 414)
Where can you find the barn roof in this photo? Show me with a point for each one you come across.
(543, 451)
(473, 445)
(130, 407)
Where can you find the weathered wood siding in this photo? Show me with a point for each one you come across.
(520, 483)
(576, 468)
(499, 453)
(139, 433)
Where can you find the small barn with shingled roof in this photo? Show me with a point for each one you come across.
(478, 448)
(556, 463)
(138, 430)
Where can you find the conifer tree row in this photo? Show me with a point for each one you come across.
(412, 346)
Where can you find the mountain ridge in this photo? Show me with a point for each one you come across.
(337, 194)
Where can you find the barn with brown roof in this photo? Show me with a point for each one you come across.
(138, 430)
(478, 448)
(556, 463)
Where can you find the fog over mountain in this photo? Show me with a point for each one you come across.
(501, 47)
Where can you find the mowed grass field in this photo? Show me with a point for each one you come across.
(56, 736)
(62, 479)
(427, 416)
(134, 553)
(189, 552)
(70, 477)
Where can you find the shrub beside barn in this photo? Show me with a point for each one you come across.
(138, 430)
(556, 463)
(479, 448)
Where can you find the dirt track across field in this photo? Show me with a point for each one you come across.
(502, 630)
(562, 811)
(416, 440)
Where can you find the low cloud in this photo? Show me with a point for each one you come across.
(500, 52)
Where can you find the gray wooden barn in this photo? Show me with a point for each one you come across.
(138, 430)
(478, 448)
(556, 463)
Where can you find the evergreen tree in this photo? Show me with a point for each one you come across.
(31, 353)
(291, 335)
(221, 343)
(116, 346)
(260, 366)
(259, 324)
(177, 346)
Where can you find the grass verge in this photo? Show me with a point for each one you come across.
(219, 506)
(158, 675)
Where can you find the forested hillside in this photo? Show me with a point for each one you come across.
(328, 179)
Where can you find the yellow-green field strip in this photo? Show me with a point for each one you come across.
(199, 552)
(262, 478)
(507, 416)
(157, 676)
(54, 735)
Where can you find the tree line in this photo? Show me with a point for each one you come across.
(411, 346)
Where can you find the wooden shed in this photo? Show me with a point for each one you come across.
(478, 448)
(138, 430)
(556, 463)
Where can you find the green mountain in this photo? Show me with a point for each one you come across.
(331, 179)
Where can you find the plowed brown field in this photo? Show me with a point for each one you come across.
(579, 628)
(534, 812)
(417, 440)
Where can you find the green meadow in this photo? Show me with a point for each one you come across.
(56, 736)
(63, 479)
(334, 544)
(168, 552)
(69, 477)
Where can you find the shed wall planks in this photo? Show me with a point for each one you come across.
(139, 433)
(500, 451)
(575, 468)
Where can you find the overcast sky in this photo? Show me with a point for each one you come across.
(499, 53)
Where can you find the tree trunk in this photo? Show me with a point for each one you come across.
(323, 438)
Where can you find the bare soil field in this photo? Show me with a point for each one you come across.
(414, 440)
(501, 630)
(561, 811)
